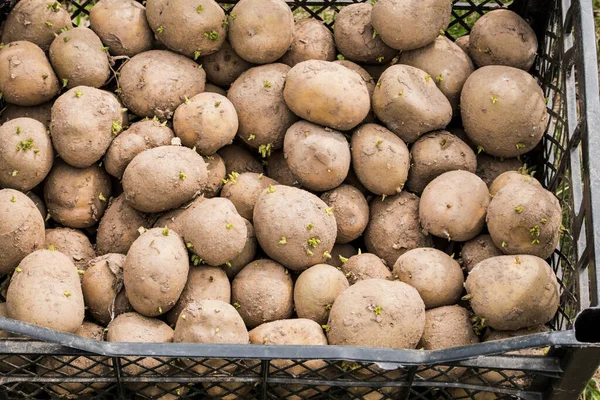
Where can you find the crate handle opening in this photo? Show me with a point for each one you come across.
(587, 325)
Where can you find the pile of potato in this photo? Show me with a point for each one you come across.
(173, 173)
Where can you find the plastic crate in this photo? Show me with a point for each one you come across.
(52, 364)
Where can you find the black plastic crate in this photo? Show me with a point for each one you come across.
(52, 364)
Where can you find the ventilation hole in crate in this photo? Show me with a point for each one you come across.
(587, 326)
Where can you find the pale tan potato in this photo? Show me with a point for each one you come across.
(512, 177)
(238, 159)
(217, 172)
(463, 43)
(243, 191)
(478, 249)
(246, 256)
(351, 212)
(224, 66)
(489, 167)
(369, 81)
(39, 113)
(72, 243)
(312, 41)
(279, 170)
(365, 266)
(171, 218)
(340, 253)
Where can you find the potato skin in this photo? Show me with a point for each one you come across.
(40, 113)
(512, 177)
(513, 292)
(216, 170)
(463, 43)
(339, 253)
(46, 292)
(224, 66)
(238, 159)
(312, 41)
(279, 170)
(351, 212)
(365, 266)
(369, 81)
(314, 88)
(489, 167)
(243, 191)
(246, 256)
(478, 249)
(72, 243)
(21, 227)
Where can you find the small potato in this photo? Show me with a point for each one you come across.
(224, 66)
(26, 76)
(238, 159)
(217, 172)
(45, 291)
(246, 256)
(351, 212)
(243, 191)
(437, 277)
(146, 92)
(436, 153)
(39, 113)
(315, 291)
(21, 229)
(72, 243)
(263, 291)
(511, 177)
(489, 167)
(312, 41)
(27, 154)
(407, 100)
(318, 157)
(327, 94)
(463, 43)
(210, 88)
(369, 81)
(207, 121)
(513, 292)
(122, 26)
(163, 178)
(380, 159)
(262, 30)
(340, 253)
(155, 271)
(77, 198)
(453, 206)
(394, 227)
(39, 203)
(478, 249)
(279, 170)
(294, 227)
(365, 266)
(356, 38)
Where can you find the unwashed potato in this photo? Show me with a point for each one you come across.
(38, 203)
(315, 291)
(512, 177)
(489, 95)
(369, 81)
(327, 94)
(351, 212)
(279, 170)
(407, 100)
(261, 31)
(246, 256)
(243, 191)
(146, 92)
(210, 88)
(122, 26)
(259, 101)
(502, 37)
(224, 66)
(217, 172)
(27, 154)
(238, 159)
(435, 153)
(45, 290)
(463, 43)
(26, 76)
(318, 157)
(365, 266)
(437, 277)
(294, 227)
(202, 32)
(263, 292)
(21, 229)
(85, 120)
(77, 198)
(312, 41)
(356, 38)
(453, 206)
(408, 25)
(378, 313)
(513, 292)
(340, 253)
(39, 113)
(72, 243)
(489, 167)
(380, 159)
(163, 178)
(478, 249)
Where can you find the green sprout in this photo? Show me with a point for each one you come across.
(383, 196)
(517, 260)
(229, 226)
(442, 32)
(18, 269)
(189, 245)
(519, 209)
(478, 325)
(377, 310)
(494, 99)
(251, 137)
(212, 35)
(327, 255)
(160, 29)
(182, 176)
(80, 272)
(439, 78)
(165, 232)
(309, 226)
(378, 84)
(343, 259)
(380, 59)
(196, 260)
(105, 48)
(535, 234)
(217, 104)
(13, 199)
(326, 328)
(467, 297)
(14, 173)
(51, 247)
(66, 39)
(237, 305)
(504, 244)
(374, 33)
(400, 93)
(67, 293)
(25, 144)
(101, 197)
(64, 29)
(378, 144)
(427, 78)
(48, 23)
(260, 176)
(271, 189)
(313, 242)
(199, 9)
(116, 127)
(228, 263)
(519, 146)
(44, 76)
(48, 216)
(233, 16)
(544, 220)
(267, 84)
(54, 7)
(328, 306)
(19, 130)
(78, 93)
(265, 150)
(35, 151)
(225, 23)
(443, 142)
(340, 57)
(480, 149)
(309, 252)
(160, 310)
(196, 54)
(283, 240)
(329, 211)
(200, 66)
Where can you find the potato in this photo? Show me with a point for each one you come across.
(409, 25)
(312, 41)
(122, 26)
(365, 266)
(513, 292)
(378, 313)
(39, 113)
(215, 167)
(361, 71)
(243, 191)
(279, 170)
(445, 61)
(36, 21)
(77, 198)
(478, 249)
(351, 212)
(39, 204)
(353, 181)
(207, 121)
(436, 153)
(72, 243)
(356, 38)
(27, 154)
(453, 206)
(21, 229)
(375, 150)
(327, 94)
(318, 157)
(209, 88)
(491, 94)
(146, 91)
(26, 76)
(164, 177)
(512, 177)
(315, 291)
(155, 271)
(525, 219)
(294, 227)
(201, 31)
(263, 292)
(262, 112)
(394, 227)
(463, 43)
(489, 167)
(224, 66)
(246, 256)
(171, 218)
(203, 283)
(45, 291)
(238, 159)
(340, 253)
(140, 136)
(407, 100)
(437, 277)
(261, 31)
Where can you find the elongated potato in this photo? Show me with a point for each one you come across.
(312, 41)
(72, 243)
(351, 212)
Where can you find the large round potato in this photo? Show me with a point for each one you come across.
(327, 94)
(312, 41)
(217, 173)
(39, 113)
(478, 249)
(365, 266)
(224, 66)
(351, 212)
(243, 191)
(72, 243)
